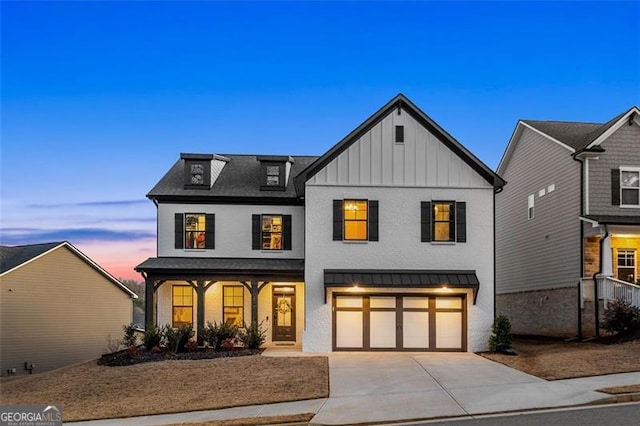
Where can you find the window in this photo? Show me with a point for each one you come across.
(443, 221)
(530, 205)
(627, 265)
(196, 174)
(233, 305)
(355, 220)
(273, 175)
(271, 232)
(399, 134)
(630, 187)
(194, 231)
(182, 305)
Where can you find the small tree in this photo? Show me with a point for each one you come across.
(500, 339)
(621, 316)
(130, 338)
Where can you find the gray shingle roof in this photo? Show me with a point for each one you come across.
(240, 177)
(577, 135)
(10, 257)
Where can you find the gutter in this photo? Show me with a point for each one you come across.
(581, 246)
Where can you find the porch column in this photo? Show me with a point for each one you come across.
(200, 288)
(254, 289)
(607, 257)
(149, 293)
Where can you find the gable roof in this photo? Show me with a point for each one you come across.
(13, 257)
(239, 179)
(575, 136)
(399, 101)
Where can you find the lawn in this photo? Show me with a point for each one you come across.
(90, 391)
(553, 360)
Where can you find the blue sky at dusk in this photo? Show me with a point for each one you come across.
(100, 98)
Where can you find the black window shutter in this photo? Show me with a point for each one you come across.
(210, 231)
(337, 220)
(255, 232)
(179, 231)
(286, 237)
(373, 220)
(425, 221)
(615, 187)
(461, 222)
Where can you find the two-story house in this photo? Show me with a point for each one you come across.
(569, 217)
(385, 242)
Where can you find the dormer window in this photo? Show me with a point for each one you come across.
(197, 168)
(274, 172)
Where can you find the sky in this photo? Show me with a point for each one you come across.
(98, 99)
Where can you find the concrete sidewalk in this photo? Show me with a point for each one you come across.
(391, 387)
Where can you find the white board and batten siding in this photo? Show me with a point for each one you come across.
(399, 176)
(422, 160)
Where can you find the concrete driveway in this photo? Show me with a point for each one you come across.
(383, 387)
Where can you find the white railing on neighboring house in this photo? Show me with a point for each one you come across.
(609, 288)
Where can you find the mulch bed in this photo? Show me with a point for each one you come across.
(141, 355)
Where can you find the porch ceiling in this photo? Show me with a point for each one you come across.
(614, 220)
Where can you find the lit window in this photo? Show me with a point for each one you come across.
(233, 305)
(530, 206)
(194, 231)
(182, 305)
(443, 221)
(630, 187)
(271, 232)
(355, 220)
(627, 265)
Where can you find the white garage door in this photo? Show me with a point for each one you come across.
(399, 322)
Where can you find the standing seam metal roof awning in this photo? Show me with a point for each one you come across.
(381, 278)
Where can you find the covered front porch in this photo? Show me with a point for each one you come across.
(192, 291)
(611, 249)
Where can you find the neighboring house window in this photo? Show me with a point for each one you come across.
(355, 220)
(443, 221)
(271, 232)
(629, 187)
(194, 231)
(627, 265)
(233, 304)
(182, 305)
(530, 206)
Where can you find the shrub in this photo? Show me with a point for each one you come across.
(192, 345)
(252, 337)
(500, 339)
(621, 316)
(130, 338)
(214, 334)
(153, 336)
(177, 338)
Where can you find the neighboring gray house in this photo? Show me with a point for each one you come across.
(570, 215)
(57, 308)
(385, 242)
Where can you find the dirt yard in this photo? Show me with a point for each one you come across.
(553, 360)
(91, 391)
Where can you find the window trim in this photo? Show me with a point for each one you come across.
(344, 220)
(531, 203)
(633, 170)
(174, 306)
(224, 305)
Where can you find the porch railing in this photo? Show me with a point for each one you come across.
(610, 288)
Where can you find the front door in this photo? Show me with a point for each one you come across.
(284, 314)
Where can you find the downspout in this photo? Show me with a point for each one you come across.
(581, 246)
(595, 283)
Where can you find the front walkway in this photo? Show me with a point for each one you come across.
(387, 387)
